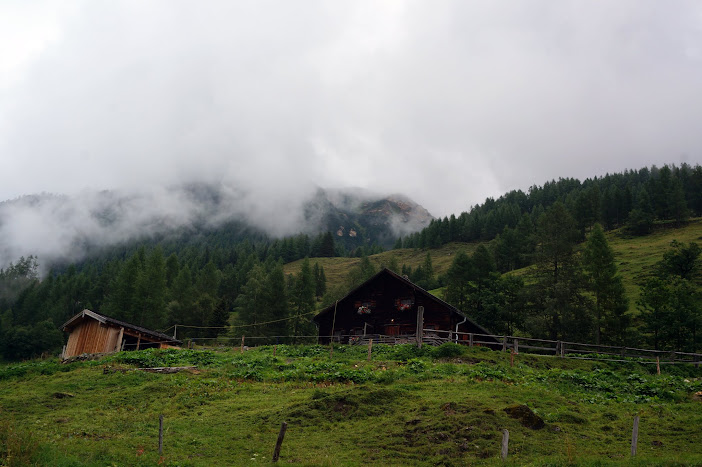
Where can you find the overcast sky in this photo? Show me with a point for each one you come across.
(445, 101)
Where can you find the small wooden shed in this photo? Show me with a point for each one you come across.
(91, 332)
(391, 308)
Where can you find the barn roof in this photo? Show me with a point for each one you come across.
(417, 289)
(68, 325)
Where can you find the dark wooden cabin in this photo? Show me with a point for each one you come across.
(91, 332)
(387, 306)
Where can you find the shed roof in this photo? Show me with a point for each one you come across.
(417, 290)
(68, 325)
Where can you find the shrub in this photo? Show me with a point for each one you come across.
(448, 350)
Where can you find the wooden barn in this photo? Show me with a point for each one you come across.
(390, 308)
(91, 332)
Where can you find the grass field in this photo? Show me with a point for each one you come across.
(635, 256)
(407, 406)
(336, 269)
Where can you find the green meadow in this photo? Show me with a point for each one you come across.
(406, 406)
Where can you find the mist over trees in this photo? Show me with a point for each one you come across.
(230, 279)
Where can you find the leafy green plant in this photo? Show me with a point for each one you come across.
(448, 350)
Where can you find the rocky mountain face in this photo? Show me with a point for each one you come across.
(358, 217)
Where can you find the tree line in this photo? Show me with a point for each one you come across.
(634, 199)
(574, 292)
(232, 275)
(207, 292)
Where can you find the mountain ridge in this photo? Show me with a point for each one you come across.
(64, 228)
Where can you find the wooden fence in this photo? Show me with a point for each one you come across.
(565, 349)
(516, 344)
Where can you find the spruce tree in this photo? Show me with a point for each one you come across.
(320, 281)
(302, 299)
(150, 292)
(121, 303)
(561, 309)
(458, 287)
(606, 285)
(180, 308)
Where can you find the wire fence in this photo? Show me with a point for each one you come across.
(514, 344)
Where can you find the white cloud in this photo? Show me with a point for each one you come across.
(447, 101)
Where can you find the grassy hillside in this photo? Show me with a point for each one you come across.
(635, 255)
(441, 406)
(336, 269)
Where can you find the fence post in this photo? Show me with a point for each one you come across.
(470, 339)
(505, 444)
(279, 442)
(558, 348)
(160, 435)
(563, 349)
(635, 436)
(516, 346)
(370, 346)
(658, 365)
(420, 325)
(242, 344)
(504, 343)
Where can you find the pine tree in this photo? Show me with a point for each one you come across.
(611, 304)
(121, 303)
(172, 268)
(251, 301)
(677, 206)
(561, 308)
(320, 281)
(275, 309)
(458, 287)
(183, 296)
(302, 299)
(428, 267)
(150, 292)
(326, 249)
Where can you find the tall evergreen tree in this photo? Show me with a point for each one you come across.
(458, 287)
(121, 303)
(604, 282)
(320, 281)
(183, 297)
(561, 309)
(302, 300)
(150, 292)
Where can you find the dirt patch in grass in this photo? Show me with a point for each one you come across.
(525, 416)
(349, 403)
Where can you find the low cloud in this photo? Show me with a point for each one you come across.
(448, 102)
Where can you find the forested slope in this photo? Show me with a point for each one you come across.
(550, 270)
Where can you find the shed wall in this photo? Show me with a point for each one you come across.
(91, 337)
